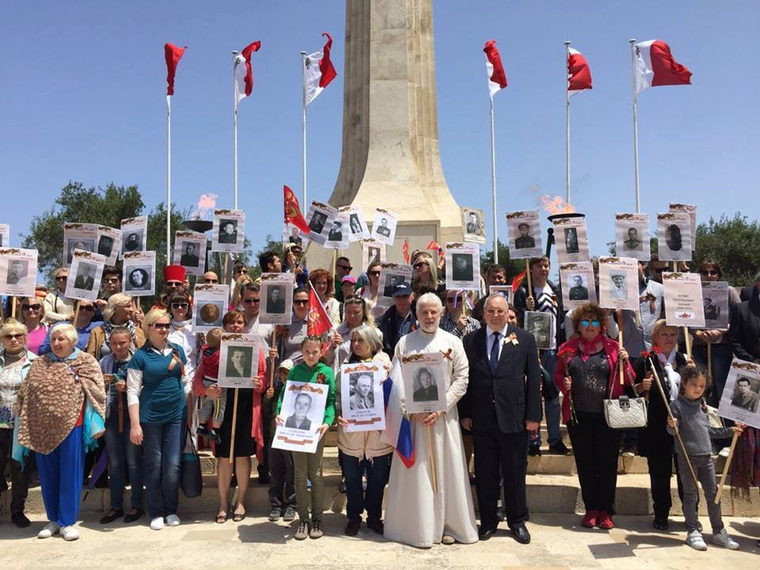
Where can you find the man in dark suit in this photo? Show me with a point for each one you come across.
(501, 407)
(189, 258)
(85, 279)
(299, 419)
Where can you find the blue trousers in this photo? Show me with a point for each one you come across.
(162, 448)
(357, 499)
(61, 474)
(124, 456)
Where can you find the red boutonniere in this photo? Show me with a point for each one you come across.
(566, 352)
(321, 378)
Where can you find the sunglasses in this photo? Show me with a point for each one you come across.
(710, 272)
(300, 301)
(241, 271)
(174, 284)
(211, 280)
(251, 301)
(62, 278)
(375, 273)
(180, 305)
(35, 307)
(421, 264)
(112, 280)
(161, 326)
(87, 308)
(346, 267)
(586, 323)
(12, 336)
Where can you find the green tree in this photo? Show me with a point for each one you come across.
(734, 243)
(513, 266)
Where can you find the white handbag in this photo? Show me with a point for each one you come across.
(625, 412)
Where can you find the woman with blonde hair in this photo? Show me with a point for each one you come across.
(425, 276)
(119, 312)
(370, 290)
(33, 317)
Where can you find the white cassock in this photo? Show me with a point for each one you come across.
(414, 514)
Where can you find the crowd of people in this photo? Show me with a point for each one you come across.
(80, 378)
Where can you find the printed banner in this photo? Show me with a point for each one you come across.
(190, 252)
(228, 232)
(741, 396)
(474, 224)
(134, 234)
(85, 275)
(462, 266)
(524, 235)
(362, 396)
(541, 326)
(619, 283)
(571, 238)
(673, 231)
(303, 411)
(425, 382)
(78, 236)
(209, 305)
(276, 294)
(139, 273)
(682, 293)
(238, 361)
(632, 236)
(577, 284)
(18, 271)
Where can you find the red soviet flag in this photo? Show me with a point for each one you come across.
(172, 54)
(497, 78)
(317, 320)
(655, 66)
(318, 76)
(293, 210)
(578, 72)
(405, 250)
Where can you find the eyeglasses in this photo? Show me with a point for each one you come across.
(87, 308)
(421, 264)
(62, 278)
(35, 307)
(453, 299)
(709, 272)
(586, 323)
(112, 280)
(180, 305)
(174, 283)
(346, 267)
(16, 335)
(300, 301)
(245, 271)
(375, 273)
(251, 301)
(211, 280)
(161, 326)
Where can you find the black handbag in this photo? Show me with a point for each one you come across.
(191, 480)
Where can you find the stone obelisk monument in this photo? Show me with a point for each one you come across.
(390, 156)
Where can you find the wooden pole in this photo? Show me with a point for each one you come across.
(431, 452)
(687, 339)
(726, 467)
(527, 276)
(620, 343)
(709, 360)
(234, 421)
(76, 316)
(271, 367)
(13, 308)
(670, 415)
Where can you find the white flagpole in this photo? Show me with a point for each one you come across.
(635, 127)
(303, 127)
(493, 191)
(168, 178)
(567, 128)
(235, 129)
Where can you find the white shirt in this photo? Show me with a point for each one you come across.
(490, 337)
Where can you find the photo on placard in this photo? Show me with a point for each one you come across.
(540, 325)
(301, 413)
(578, 287)
(133, 241)
(138, 279)
(228, 232)
(392, 280)
(462, 270)
(292, 235)
(691, 211)
(632, 236)
(18, 272)
(746, 395)
(105, 245)
(524, 234)
(210, 314)
(571, 240)
(384, 226)
(474, 225)
(524, 239)
(361, 393)
(740, 400)
(189, 257)
(78, 243)
(715, 300)
(275, 302)
(85, 276)
(358, 229)
(338, 233)
(618, 285)
(673, 231)
(632, 241)
(239, 363)
(372, 251)
(425, 382)
(317, 222)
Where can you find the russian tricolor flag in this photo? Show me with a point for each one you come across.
(398, 430)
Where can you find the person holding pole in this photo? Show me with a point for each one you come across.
(416, 513)
(690, 418)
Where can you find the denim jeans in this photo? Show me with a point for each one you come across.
(552, 409)
(124, 456)
(162, 447)
(357, 499)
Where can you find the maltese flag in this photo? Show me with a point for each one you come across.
(318, 71)
(655, 66)
(578, 72)
(244, 72)
(497, 79)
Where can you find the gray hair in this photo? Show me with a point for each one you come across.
(371, 336)
(68, 331)
(493, 297)
(430, 299)
(114, 301)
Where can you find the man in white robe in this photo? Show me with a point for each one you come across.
(414, 514)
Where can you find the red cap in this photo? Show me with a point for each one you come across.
(174, 273)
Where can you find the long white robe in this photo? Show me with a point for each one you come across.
(414, 514)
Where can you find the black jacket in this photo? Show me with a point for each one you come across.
(388, 324)
(512, 395)
(745, 329)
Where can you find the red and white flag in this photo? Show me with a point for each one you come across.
(655, 66)
(172, 54)
(318, 71)
(317, 320)
(578, 72)
(244, 72)
(293, 210)
(497, 78)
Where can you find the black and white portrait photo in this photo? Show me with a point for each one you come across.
(745, 394)
(571, 240)
(276, 299)
(524, 240)
(105, 245)
(673, 237)
(210, 314)
(383, 228)
(473, 223)
(239, 362)
(425, 388)
(391, 282)
(540, 326)
(228, 231)
(133, 241)
(373, 254)
(578, 288)
(462, 270)
(355, 224)
(85, 278)
(632, 241)
(295, 237)
(317, 222)
(299, 416)
(138, 279)
(189, 257)
(618, 286)
(78, 243)
(18, 269)
(362, 391)
(712, 310)
(336, 231)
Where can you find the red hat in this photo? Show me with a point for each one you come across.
(174, 273)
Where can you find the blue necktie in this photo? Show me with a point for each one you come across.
(494, 360)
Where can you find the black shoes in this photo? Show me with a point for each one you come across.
(211, 434)
(661, 524)
(20, 520)
(560, 449)
(377, 525)
(111, 516)
(486, 533)
(131, 517)
(521, 534)
(534, 450)
(352, 528)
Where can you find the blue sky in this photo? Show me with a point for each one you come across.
(83, 87)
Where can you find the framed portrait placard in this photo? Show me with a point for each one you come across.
(108, 244)
(541, 326)
(692, 212)
(372, 250)
(134, 233)
(78, 236)
(5, 235)
(18, 271)
(362, 396)
(190, 252)
(632, 236)
(139, 273)
(238, 360)
(425, 382)
(577, 284)
(673, 236)
(619, 283)
(276, 293)
(292, 235)
(209, 305)
(85, 275)
(318, 217)
(474, 224)
(740, 400)
(463, 266)
(228, 231)
(391, 276)
(384, 226)
(572, 239)
(357, 225)
(505, 290)
(715, 303)
(682, 294)
(338, 232)
(524, 235)
(303, 408)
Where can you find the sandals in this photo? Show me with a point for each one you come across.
(221, 516)
(237, 517)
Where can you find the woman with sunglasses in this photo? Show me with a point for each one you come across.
(15, 360)
(84, 326)
(456, 320)
(119, 312)
(32, 316)
(587, 374)
(58, 307)
(425, 276)
(370, 290)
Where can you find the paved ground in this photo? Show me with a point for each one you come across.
(558, 543)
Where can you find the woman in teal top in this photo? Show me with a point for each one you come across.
(309, 465)
(157, 400)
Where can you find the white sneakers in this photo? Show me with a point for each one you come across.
(722, 539)
(69, 533)
(49, 530)
(694, 539)
(158, 522)
(172, 520)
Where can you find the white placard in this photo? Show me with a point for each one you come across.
(474, 224)
(78, 236)
(524, 235)
(276, 294)
(425, 382)
(362, 396)
(372, 251)
(504, 290)
(682, 294)
(619, 283)
(292, 235)
(571, 238)
(134, 234)
(357, 225)
(228, 232)
(391, 275)
(5, 235)
(632, 236)
(18, 271)
(139, 273)
(715, 298)
(318, 218)
(190, 252)
(673, 231)
(303, 409)
(692, 211)
(541, 326)
(740, 400)
(209, 306)
(384, 226)
(238, 360)
(85, 275)
(338, 232)
(577, 284)
(109, 244)
(463, 266)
